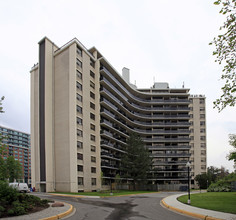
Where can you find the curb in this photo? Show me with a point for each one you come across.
(61, 215)
(204, 217)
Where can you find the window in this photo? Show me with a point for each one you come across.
(92, 63)
(202, 130)
(79, 121)
(93, 169)
(79, 133)
(80, 168)
(79, 97)
(92, 74)
(203, 145)
(79, 109)
(202, 116)
(202, 123)
(92, 85)
(79, 74)
(93, 181)
(92, 127)
(93, 148)
(202, 109)
(92, 137)
(203, 152)
(79, 51)
(79, 86)
(79, 156)
(191, 137)
(92, 105)
(79, 144)
(80, 181)
(202, 101)
(202, 138)
(79, 63)
(92, 95)
(93, 159)
(92, 116)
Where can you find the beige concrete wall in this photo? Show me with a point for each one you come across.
(61, 121)
(49, 97)
(34, 128)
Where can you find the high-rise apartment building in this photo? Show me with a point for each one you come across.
(198, 134)
(82, 112)
(18, 145)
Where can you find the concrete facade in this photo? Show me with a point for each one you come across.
(82, 112)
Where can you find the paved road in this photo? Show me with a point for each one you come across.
(137, 207)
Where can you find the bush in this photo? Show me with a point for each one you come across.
(223, 185)
(14, 203)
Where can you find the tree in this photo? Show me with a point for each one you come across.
(232, 142)
(2, 145)
(136, 162)
(225, 53)
(14, 169)
(202, 180)
(1, 108)
(3, 169)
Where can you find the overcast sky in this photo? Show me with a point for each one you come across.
(161, 40)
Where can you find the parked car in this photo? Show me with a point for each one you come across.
(21, 187)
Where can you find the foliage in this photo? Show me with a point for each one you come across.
(14, 169)
(136, 162)
(218, 201)
(14, 203)
(10, 169)
(223, 185)
(225, 53)
(232, 142)
(213, 174)
(1, 108)
(202, 180)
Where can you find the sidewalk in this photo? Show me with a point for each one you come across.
(50, 213)
(172, 203)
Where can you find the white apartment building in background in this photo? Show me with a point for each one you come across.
(83, 110)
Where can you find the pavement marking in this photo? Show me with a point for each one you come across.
(204, 217)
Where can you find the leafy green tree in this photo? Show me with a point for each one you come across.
(1, 108)
(2, 145)
(3, 169)
(225, 52)
(202, 180)
(232, 142)
(14, 169)
(136, 162)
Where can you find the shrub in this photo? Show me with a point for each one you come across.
(223, 185)
(14, 203)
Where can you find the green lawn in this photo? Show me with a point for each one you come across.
(218, 201)
(106, 193)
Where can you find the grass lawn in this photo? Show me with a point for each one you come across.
(218, 201)
(106, 193)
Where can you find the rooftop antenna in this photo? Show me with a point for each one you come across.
(134, 82)
(153, 79)
(183, 85)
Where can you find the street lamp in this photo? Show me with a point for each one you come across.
(188, 166)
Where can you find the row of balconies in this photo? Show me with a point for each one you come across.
(171, 155)
(149, 123)
(150, 98)
(140, 107)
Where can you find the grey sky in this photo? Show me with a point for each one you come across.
(165, 40)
